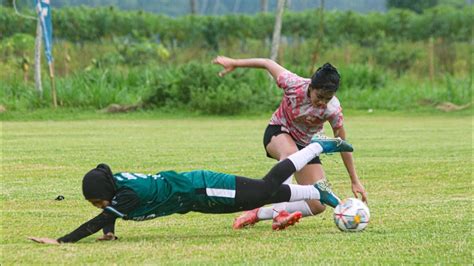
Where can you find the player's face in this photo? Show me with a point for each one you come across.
(99, 203)
(320, 98)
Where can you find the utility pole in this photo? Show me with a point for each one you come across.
(277, 30)
(38, 85)
(315, 55)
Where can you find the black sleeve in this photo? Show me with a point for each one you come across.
(109, 228)
(124, 201)
(88, 228)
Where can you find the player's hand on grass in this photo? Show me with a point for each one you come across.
(226, 62)
(358, 188)
(107, 237)
(44, 240)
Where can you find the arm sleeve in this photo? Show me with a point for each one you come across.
(88, 228)
(336, 119)
(334, 115)
(124, 201)
(109, 228)
(289, 81)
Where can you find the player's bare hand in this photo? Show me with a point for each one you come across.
(226, 62)
(44, 240)
(107, 237)
(358, 188)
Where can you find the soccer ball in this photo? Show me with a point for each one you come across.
(351, 215)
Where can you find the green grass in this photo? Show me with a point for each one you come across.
(417, 170)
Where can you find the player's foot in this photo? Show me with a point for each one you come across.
(326, 195)
(245, 219)
(331, 145)
(285, 219)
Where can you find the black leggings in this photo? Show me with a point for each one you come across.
(254, 193)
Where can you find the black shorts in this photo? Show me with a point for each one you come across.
(275, 130)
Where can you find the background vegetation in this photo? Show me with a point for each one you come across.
(396, 60)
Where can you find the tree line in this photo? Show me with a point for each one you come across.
(78, 24)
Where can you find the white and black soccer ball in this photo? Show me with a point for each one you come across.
(351, 215)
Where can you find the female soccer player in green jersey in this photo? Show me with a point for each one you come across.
(139, 197)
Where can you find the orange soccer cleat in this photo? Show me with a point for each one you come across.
(285, 219)
(245, 219)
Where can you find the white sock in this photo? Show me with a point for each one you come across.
(281, 206)
(299, 160)
(265, 213)
(298, 196)
(301, 206)
(299, 192)
(277, 208)
(303, 156)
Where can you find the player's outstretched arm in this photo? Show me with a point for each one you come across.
(357, 187)
(85, 230)
(230, 64)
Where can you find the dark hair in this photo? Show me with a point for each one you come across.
(326, 78)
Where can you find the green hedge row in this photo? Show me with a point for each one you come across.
(91, 24)
(196, 87)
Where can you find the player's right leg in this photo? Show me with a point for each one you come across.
(278, 145)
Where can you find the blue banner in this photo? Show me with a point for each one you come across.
(43, 9)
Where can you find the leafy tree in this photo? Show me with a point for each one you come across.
(418, 6)
(7, 3)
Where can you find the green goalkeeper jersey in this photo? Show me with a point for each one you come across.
(169, 192)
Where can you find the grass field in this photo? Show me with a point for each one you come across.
(417, 170)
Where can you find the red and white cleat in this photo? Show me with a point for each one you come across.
(245, 219)
(285, 219)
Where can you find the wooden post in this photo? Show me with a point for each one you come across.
(38, 85)
(431, 59)
(25, 66)
(53, 85)
(315, 56)
(277, 30)
(67, 60)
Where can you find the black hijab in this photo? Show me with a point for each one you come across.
(98, 183)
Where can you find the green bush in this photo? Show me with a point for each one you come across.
(197, 87)
(139, 53)
(193, 87)
(16, 45)
(358, 76)
(396, 56)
